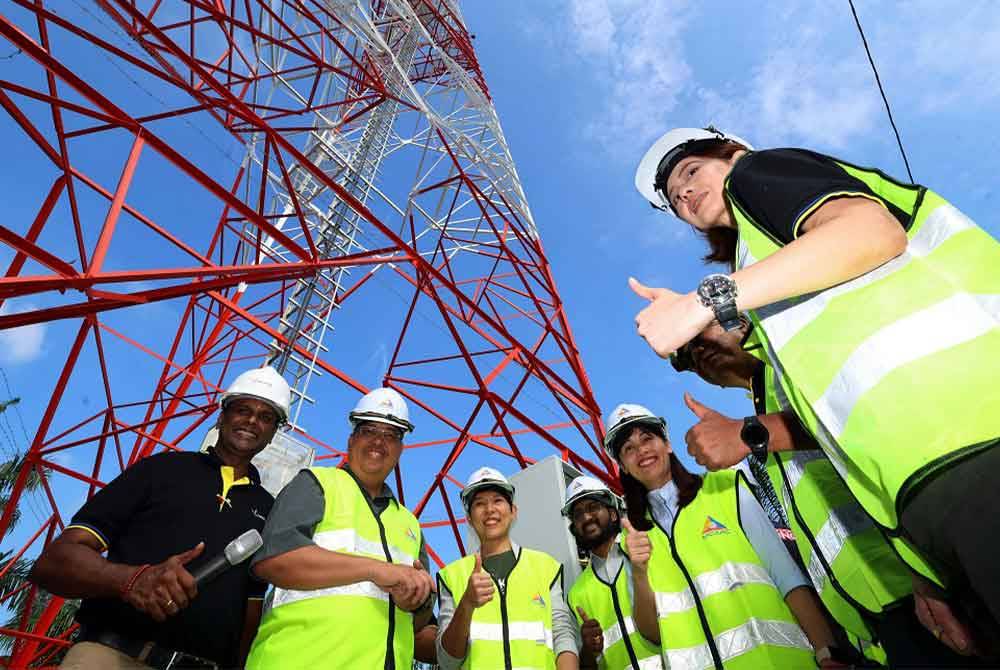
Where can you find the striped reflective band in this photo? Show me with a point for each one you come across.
(613, 634)
(726, 578)
(794, 314)
(841, 524)
(796, 462)
(530, 631)
(649, 663)
(960, 318)
(348, 540)
(360, 589)
(737, 641)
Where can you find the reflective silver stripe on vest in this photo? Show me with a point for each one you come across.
(842, 523)
(531, 631)
(796, 462)
(794, 314)
(737, 641)
(348, 540)
(362, 589)
(725, 578)
(830, 446)
(960, 318)
(650, 663)
(613, 634)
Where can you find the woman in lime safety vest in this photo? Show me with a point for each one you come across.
(712, 581)
(861, 580)
(601, 596)
(503, 606)
(878, 305)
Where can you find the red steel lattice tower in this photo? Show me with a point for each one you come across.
(208, 185)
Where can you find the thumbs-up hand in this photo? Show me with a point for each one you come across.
(670, 320)
(637, 546)
(591, 633)
(479, 589)
(714, 441)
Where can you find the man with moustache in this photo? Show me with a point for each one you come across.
(602, 594)
(503, 606)
(347, 560)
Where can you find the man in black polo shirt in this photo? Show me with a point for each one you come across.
(159, 520)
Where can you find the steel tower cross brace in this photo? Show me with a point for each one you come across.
(203, 185)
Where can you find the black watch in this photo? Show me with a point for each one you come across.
(755, 435)
(718, 291)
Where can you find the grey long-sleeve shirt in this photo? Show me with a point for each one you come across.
(564, 630)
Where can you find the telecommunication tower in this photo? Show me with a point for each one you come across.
(204, 186)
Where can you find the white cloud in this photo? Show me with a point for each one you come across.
(23, 344)
(793, 74)
(636, 49)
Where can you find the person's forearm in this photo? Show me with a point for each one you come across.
(786, 432)
(251, 622)
(806, 608)
(313, 567)
(455, 639)
(567, 661)
(644, 607)
(845, 246)
(91, 575)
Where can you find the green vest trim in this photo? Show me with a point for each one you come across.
(364, 623)
(609, 604)
(930, 313)
(715, 601)
(514, 629)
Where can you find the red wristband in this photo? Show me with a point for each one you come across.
(131, 580)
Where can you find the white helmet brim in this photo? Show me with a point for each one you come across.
(669, 149)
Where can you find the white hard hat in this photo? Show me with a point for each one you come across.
(666, 152)
(382, 405)
(588, 487)
(485, 478)
(625, 415)
(264, 384)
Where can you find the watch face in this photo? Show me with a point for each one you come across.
(716, 289)
(754, 434)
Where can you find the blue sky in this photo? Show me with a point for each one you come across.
(581, 88)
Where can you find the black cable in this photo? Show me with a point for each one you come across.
(878, 81)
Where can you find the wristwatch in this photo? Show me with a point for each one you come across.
(755, 435)
(718, 291)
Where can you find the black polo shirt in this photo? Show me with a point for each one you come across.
(164, 505)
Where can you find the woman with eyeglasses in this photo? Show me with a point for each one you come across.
(712, 582)
(878, 305)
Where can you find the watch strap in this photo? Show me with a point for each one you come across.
(727, 314)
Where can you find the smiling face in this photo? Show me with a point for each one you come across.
(645, 455)
(593, 522)
(491, 515)
(246, 426)
(373, 450)
(694, 188)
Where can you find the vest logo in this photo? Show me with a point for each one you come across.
(253, 511)
(537, 599)
(713, 527)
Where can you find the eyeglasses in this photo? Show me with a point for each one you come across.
(585, 508)
(372, 432)
(266, 417)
